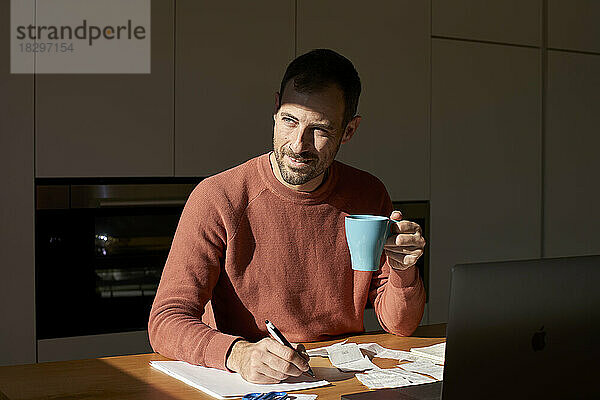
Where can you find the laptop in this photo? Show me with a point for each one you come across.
(518, 329)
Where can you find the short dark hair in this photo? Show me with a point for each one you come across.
(320, 68)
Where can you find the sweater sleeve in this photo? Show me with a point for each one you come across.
(398, 296)
(175, 326)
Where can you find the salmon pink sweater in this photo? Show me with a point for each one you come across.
(248, 248)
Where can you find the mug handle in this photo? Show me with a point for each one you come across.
(390, 231)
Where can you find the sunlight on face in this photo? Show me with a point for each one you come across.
(307, 134)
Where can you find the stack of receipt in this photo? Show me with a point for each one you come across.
(413, 367)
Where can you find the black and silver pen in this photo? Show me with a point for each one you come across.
(281, 339)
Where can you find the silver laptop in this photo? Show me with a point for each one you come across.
(519, 329)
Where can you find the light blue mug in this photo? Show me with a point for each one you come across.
(366, 235)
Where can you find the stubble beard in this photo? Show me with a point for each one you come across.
(298, 176)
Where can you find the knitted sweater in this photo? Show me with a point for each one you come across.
(248, 248)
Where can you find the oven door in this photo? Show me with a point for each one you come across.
(98, 267)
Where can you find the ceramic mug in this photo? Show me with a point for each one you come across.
(366, 235)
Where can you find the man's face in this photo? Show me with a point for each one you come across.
(308, 133)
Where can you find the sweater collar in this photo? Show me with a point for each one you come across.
(278, 188)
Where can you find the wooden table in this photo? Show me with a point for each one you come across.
(130, 377)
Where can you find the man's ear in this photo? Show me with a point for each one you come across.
(277, 104)
(351, 128)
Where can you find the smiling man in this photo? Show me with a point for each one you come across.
(266, 240)
(309, 127)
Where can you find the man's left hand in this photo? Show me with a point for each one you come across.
(404, 247)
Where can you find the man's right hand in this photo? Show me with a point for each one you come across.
(266, 361)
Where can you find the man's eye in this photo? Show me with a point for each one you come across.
(288, 120)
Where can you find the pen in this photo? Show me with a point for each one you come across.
(281, 339)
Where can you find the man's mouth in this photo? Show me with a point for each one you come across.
(299, 162)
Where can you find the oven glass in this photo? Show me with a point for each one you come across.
(126, 251)
(98, 269)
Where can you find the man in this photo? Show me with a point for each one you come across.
(266, 240)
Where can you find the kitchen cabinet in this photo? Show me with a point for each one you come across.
(505, 21)
(571, 191)
(573, 25)
(17, 282)
(229, 64)
(389, 44)
(485, 159)
(104, 125)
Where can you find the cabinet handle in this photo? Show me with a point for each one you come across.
(138, 203)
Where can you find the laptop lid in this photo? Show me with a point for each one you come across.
(524, 329)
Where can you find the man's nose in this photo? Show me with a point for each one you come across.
(302, 140)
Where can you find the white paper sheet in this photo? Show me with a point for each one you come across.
(301, 396)
(435, 352)
(425, 366)
(223, 384)
(348, 357)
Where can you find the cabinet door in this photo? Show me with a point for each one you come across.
(17, 271)
(388, 43)
(110, 124)
(505, 21)
(573, 25)
(229, 64)
(572, 164)
(485, 159)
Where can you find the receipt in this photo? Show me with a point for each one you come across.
(425, 367)
(382, 379)
(399, 355)
(390, 378)
(379, 351)
(374, 348)
(414, 378)
(435, 352)
(348, 357)
(322, 351)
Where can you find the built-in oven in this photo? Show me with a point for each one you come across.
(101, 246)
